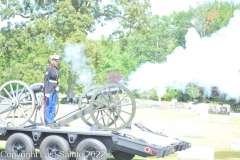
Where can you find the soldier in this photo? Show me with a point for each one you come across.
(51, 87)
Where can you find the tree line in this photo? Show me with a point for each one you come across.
(48, 26)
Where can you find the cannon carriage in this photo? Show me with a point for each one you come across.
(110, 107)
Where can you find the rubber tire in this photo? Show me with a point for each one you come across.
(94, 143)
(119, 155)
(53, 139)
(28, 142)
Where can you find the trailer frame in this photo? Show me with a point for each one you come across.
(114, 141)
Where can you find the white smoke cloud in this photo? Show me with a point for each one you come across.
(208, 61)
(74, 54)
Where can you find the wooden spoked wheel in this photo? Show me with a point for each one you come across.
(112, 107)
(85, 99)
(17, 103)
(38, 116)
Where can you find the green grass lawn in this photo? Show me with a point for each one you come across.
(211, 132)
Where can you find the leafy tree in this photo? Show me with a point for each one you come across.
(114, 59)
(128, 64)
(193, 91)
(220, 14)
(180, 22)
(199, 18)
(154, 45)
(49, 25)
(154, 95)
(110, 57)
(235, 106)
(101, 78)
(164, 35)
(171, 94)
(209, 17)
(131, 15)
(114, 77)
(215, 96)
(140, 37)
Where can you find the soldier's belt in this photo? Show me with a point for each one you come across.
(52, 81)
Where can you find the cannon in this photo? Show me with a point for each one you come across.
(35, 89)
(110, 107)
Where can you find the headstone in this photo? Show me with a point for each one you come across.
(204, 117)
(164, 105)
(143, 105)
(153, 104)
(197, 153)
(235, 144)
(125, 101)
(201, 108)
(223, 109)
(172, 103)
(190, 131)
(157, 106)
(213, 108)
(195, 101)
(179, 106)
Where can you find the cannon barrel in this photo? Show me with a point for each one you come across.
(35, 89)
(104, 92)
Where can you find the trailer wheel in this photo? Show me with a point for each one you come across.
(119, 155)
(91, 149)
(19, 146)
(54, 148)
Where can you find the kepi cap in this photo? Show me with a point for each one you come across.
(55, 57)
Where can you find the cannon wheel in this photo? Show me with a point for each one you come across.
(17, 104)
(87, 117)
(83, 100)
(38, 117)
(119, 108)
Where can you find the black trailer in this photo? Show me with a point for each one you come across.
(85, 143)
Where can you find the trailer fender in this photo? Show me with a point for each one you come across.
(91, 148)
(19, 146)
(54, 147)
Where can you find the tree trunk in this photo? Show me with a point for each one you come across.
(71, 84)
